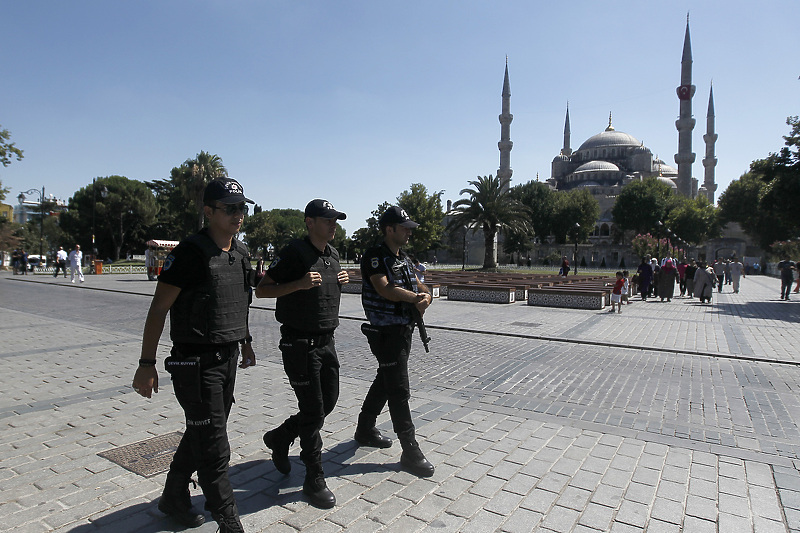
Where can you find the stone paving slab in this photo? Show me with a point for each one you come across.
(527, 434)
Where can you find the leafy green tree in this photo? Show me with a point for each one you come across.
(260, 232)
(576, 206)
(8, 150)
(289, 224)
(539, 200)
(695, 220)
(642, 204)
(122, 217)
(425, 210)
(180, 197)
(371, 235)
(489, 207)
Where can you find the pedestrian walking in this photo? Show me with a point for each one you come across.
(786, 268)
(691, 270)
(391, 295)
(306, 278)
(704, 281)
(736, 269)
(616, 293)
(75, 264)
(719, 272)
(205, 286)
(61, 262)
(667, 277)
(645, 272)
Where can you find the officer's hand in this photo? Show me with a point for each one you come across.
(311, 280)
(248, 356)
(343, 277)
(422, 302)
(145, 381)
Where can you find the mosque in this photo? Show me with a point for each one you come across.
(608, 161)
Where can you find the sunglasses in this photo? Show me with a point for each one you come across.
(232, 209)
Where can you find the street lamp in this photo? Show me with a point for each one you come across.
(464, 250)
(575, 253)
(658, 237)
(21, 199)
(103, 193)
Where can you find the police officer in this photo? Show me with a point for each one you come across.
(390, 288)
(205, 286)
(307, 281)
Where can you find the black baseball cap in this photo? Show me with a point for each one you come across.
(226, 191)
(396, 215)
(324, 209)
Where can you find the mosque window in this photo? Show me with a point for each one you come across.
(604, 231)
(604, 152)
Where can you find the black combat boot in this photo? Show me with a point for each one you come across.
(412, 457)
(176, 501)
(228, 520)
(279, 440)
(315, 487)
(372, 437)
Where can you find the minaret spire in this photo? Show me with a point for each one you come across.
(566, 150)
(505, 144)
(710, 138)
(685, 123)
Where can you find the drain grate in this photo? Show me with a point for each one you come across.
(148, 457)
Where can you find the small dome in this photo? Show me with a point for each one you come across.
(597, 166)
(667, 181)
(642, 149)
(560, 157)
(610, 139)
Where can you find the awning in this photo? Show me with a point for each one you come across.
(156, 243)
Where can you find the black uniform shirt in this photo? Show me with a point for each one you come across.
(184, 267)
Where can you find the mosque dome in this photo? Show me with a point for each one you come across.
(610, 139)
(597, 166)
(667, 181)
(561, 157)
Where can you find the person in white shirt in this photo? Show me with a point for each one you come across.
(61, 261)
(75, 262)
(737, 272)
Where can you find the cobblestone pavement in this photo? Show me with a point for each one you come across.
(670, 416)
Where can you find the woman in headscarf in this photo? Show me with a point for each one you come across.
(704, 280)
(645, 272)
(666, 281)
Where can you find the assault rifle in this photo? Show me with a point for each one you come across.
(423, 333)
(417, 316)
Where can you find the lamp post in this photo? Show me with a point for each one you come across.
(575, 253)
(103, 193)
(464, 250)
(21, 199)
(660, 225)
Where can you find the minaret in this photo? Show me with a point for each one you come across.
(505, 144)
(710, 138)
(566, 150)
(685, 123)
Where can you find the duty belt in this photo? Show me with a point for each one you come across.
(315, 339)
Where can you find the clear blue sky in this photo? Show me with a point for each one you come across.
(353, 101)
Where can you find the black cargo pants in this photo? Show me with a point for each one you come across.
(203, 378)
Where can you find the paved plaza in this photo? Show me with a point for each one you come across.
(673, 416)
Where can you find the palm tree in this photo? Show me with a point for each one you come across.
(489, 207)
(196, 174)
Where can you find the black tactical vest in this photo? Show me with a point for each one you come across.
(400, 272)
(216, 311)
(316, 309)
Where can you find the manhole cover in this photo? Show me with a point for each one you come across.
(526, 324)
(148, 457)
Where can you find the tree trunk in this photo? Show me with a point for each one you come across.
(489, 256)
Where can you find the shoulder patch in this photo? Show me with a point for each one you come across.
(274, 262)
(168, 262)
(374, 262)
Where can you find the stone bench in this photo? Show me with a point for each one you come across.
(354, 287)
(500, 294)
(569, 297)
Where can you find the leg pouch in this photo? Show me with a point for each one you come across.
(295, 360)
(185, 372)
